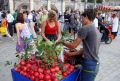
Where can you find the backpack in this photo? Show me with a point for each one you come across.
(34, 18)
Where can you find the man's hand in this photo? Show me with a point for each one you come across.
(74, 52)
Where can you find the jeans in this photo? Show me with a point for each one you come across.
(66, 26)
(89, 71)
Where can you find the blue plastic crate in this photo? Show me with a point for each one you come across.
(18, 77)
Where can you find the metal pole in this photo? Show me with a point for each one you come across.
(75, 4)
(48, 4)
(31, 5)
(94, 3)
(11, 6)
(85, 6)
(63, 6)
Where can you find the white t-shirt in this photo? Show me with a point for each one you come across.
(10, 18)
(109, 19)
(115, 24)
(96, 22)
(103, 15)
(30, 17)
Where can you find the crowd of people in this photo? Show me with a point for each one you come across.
(105, 20)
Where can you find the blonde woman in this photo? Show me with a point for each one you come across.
(51, 28)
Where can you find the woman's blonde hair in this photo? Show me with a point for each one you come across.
(52, 15)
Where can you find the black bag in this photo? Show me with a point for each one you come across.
(34, 18)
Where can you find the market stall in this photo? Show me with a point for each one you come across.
(46, 65)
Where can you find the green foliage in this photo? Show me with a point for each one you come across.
(48, 52)
(99, 1)
(59, 76)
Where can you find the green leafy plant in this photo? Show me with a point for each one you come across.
(48, 52)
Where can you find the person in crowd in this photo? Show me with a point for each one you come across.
(14, 22)
(67, 18)
(90, 37)
(100, 23)
(31, 25)
(43, 16)
(0, 16)
(103, 17)
(102, 29)
(4, 26)
(61, 20)
(39, 12)
(115, 24)
(96, 21)
(109, 18)
(73, 22)
(34, 13)
(78, 18)
(51, 28)
(10, 20)
(34, 16)
(25, 14)
(23, 33)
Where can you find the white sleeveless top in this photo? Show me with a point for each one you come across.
(25, 33)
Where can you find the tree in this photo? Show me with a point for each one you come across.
(92, 1)
(99, 1)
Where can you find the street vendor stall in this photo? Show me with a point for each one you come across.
(45, 65)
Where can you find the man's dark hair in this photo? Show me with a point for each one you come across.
(3, 15)
(20, 18)
(8, 12)
(90, 13)
(99, 14)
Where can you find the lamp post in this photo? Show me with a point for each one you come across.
(85, 6)
(11, 6)
(31, 5)
(49, 4)
(75, 4)
(94, 3)
(62, 6)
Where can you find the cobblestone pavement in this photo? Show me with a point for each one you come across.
(109, 60)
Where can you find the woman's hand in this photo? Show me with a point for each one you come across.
(57, 41)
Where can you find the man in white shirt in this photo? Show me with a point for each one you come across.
(31, 25)
(96, 22)
(115, 24)
(10, 20)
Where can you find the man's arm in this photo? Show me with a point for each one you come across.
(74, 44)
(74, 53)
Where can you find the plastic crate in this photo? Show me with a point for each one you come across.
(18, 77)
